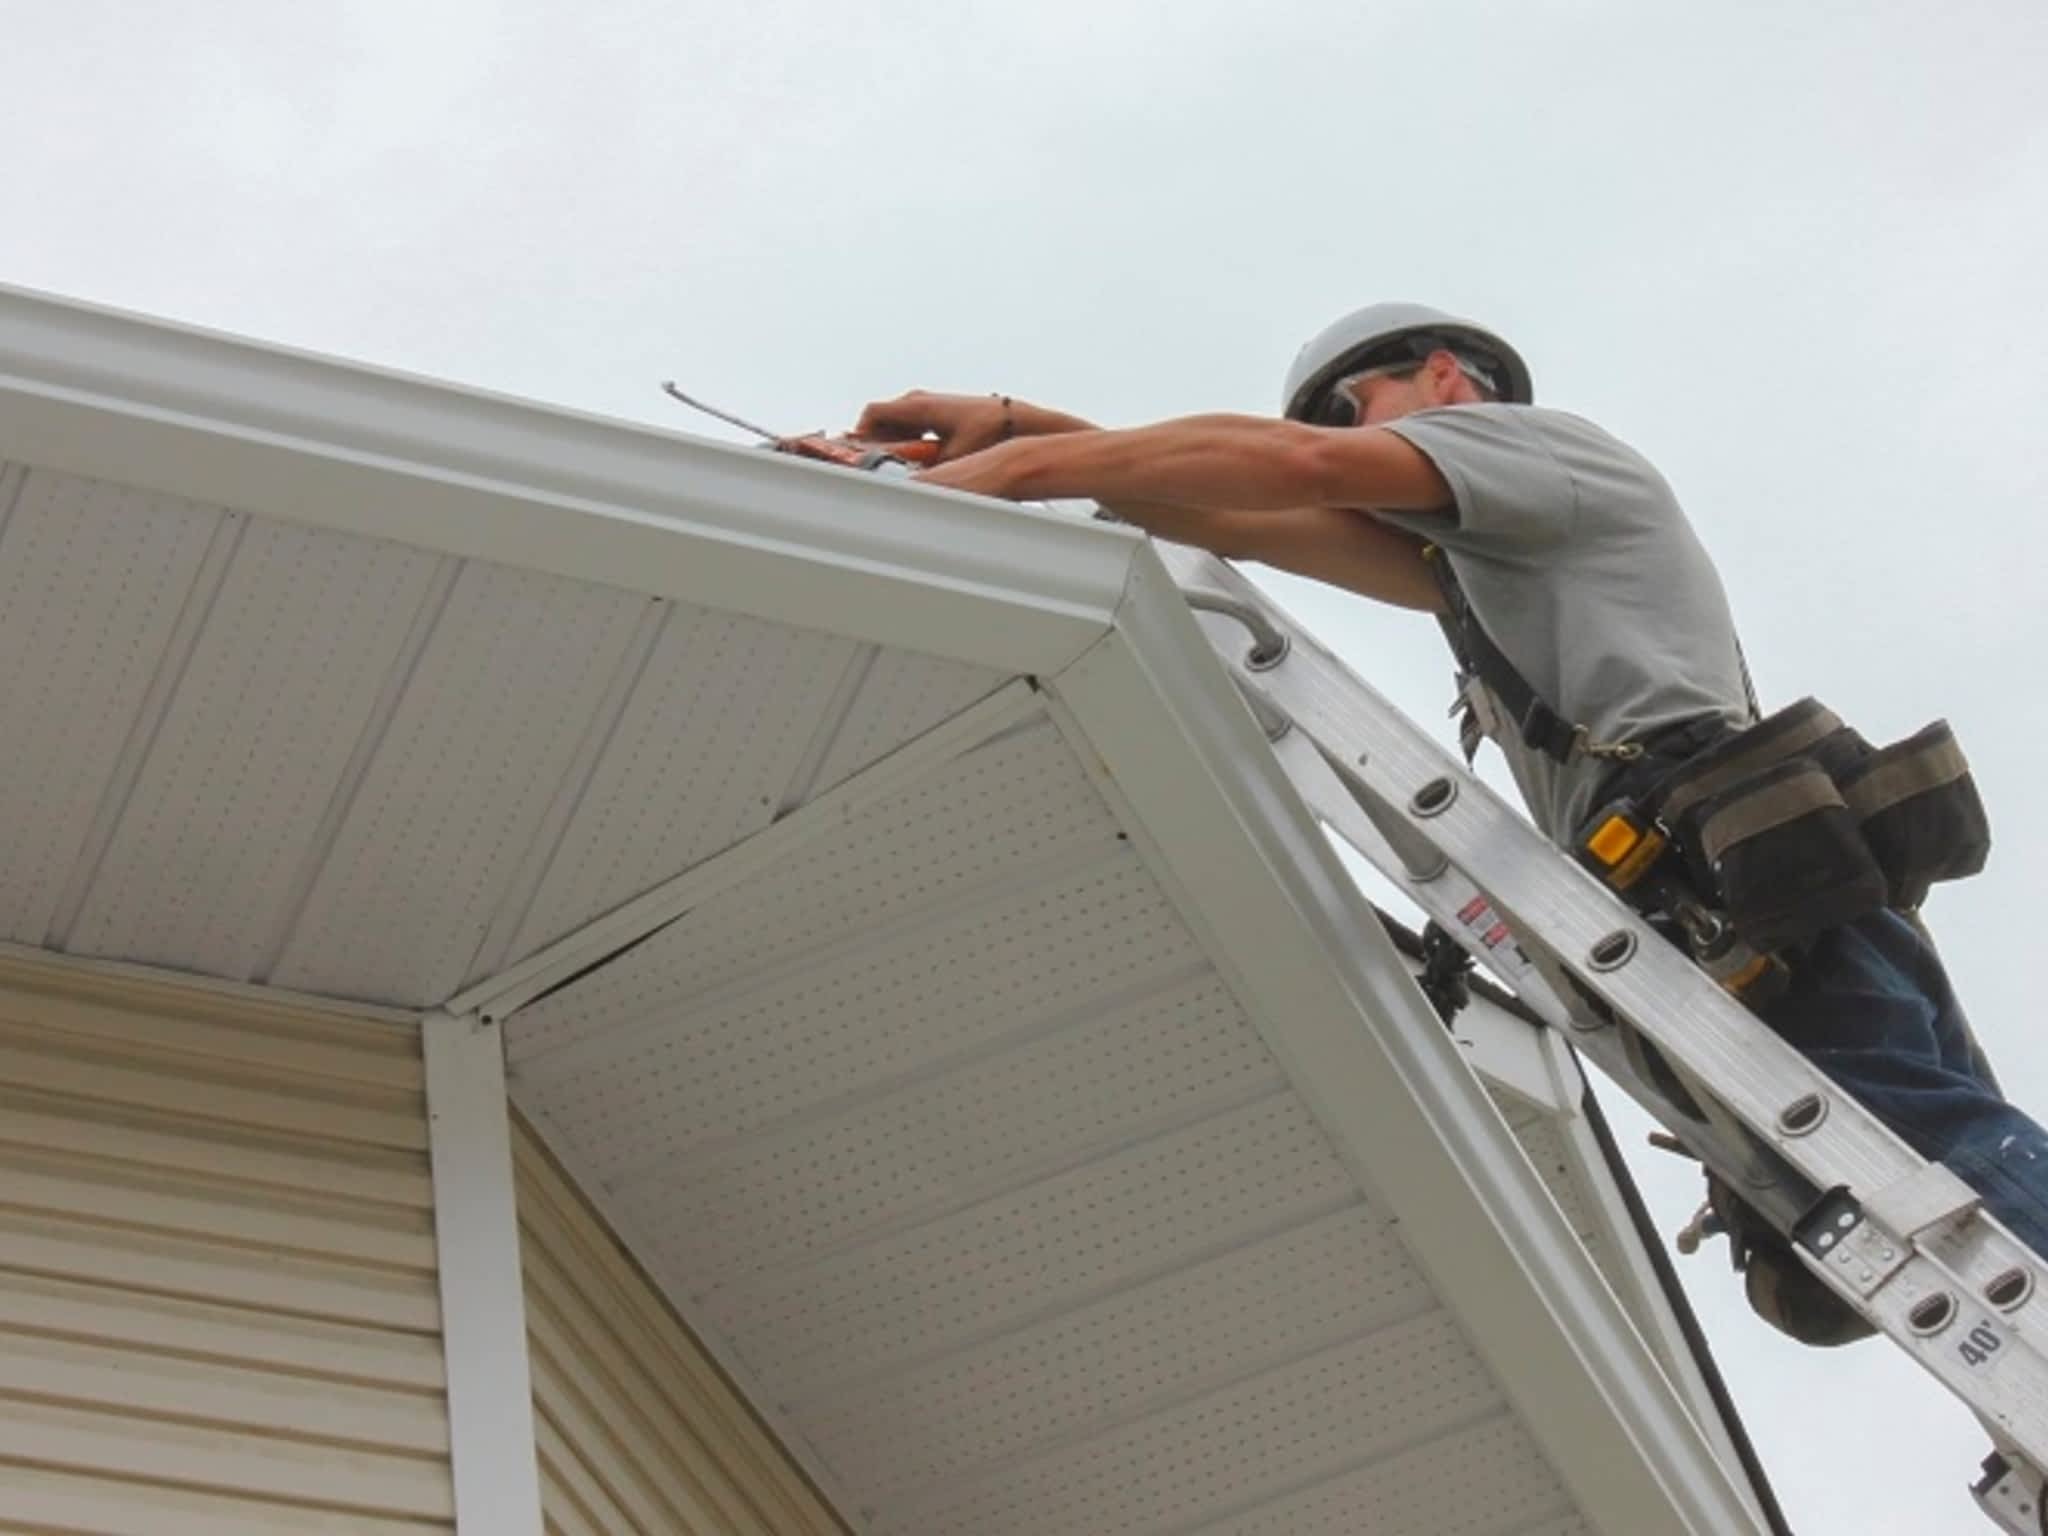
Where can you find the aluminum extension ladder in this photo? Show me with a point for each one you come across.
(1901, 1240)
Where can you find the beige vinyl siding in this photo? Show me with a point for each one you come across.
(218, 1306)
(639, 1433)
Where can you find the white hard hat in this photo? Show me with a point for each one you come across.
(1390, 333)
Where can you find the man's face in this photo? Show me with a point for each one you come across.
(1393, 390)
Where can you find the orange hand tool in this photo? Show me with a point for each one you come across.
(828, 448)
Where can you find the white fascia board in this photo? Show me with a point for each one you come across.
(1253, 874)
(316, 441)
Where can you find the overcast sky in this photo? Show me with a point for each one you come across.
(1795, 253)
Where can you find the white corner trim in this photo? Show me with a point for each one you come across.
(323, 443)
(483, 1294)
(1295, 938)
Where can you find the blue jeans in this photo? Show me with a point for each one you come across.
(1872, 1007)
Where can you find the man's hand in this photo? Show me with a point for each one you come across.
(963, 424)
(992, 472)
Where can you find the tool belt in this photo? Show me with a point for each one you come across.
(1794, 825)
(1754, 840)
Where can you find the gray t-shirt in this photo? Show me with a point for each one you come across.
(1576, 558)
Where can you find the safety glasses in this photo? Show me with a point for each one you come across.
(1338, 407)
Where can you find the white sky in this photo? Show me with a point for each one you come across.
(1794, 253)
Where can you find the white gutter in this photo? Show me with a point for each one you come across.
(329, 444)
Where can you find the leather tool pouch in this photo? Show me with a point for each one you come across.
(1796, 825)
(1785, 855)
(1920, 813)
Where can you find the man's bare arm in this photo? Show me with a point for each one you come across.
(1246, 477)
(1245, 463)
(1334, 544)
(1247, 487)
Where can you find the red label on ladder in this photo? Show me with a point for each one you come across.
(1477, 914)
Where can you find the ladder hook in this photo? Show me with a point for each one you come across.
(1270, 642)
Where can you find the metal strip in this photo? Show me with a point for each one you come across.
(483, 1293)
(501, 995)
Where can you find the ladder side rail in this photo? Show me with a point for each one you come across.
(1467, 913)
(2010, 1496)
(1720, 1141)
(1921, 1281)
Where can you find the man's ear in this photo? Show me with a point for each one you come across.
(1441, 369)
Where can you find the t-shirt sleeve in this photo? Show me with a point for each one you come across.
(1510, 489)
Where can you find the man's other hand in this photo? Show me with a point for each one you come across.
(992, 472)
(963, 424)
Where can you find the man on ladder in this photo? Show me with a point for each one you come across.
(1597, 650)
